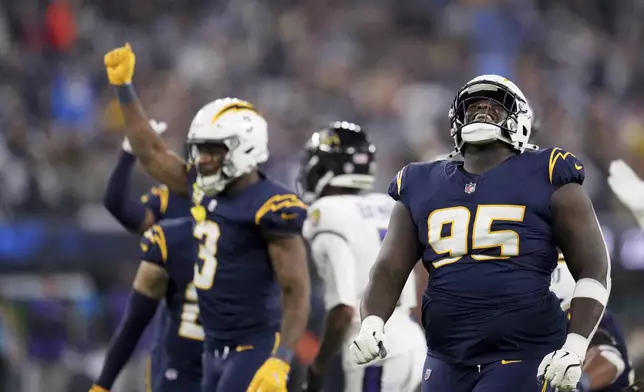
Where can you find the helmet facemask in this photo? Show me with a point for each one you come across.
(487, 111)
(234, 164)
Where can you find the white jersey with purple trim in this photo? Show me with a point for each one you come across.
(345, 233)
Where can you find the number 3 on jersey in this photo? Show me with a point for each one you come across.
(190, 327)
(455, 245)
(207, 232)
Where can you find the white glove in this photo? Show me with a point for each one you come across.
(158, 127)
(370, 342)
(561, 369)
(628, 188)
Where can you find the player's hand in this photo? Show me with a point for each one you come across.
(119, 64)
(561, 369)
(158, 127)
(96, 388)
(628, 188)
(370, 342)
(271, 376)
(313, 381)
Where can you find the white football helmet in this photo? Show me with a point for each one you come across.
(514, 129)
(237, 125)
(562, 283)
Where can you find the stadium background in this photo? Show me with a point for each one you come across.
(390, 65)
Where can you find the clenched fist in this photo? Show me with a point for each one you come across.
(119, 64)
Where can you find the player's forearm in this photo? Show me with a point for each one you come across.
(130, 214)
(145, 142)
(296, 314)
(382, 292)
(147, 145)
(591, 293)
(337, 325)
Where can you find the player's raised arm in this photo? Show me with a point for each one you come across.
(133, 216)
(148, 288)
(161, 163)
(579, 237)
(399, 253)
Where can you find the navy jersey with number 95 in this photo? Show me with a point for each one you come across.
(488, 246)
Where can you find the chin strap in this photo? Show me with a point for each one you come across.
(457, 151)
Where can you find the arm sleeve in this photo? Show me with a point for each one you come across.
(336, 265)
(128, 213)
(326, 230)
(564, 168)
(398, 187)
(154, 247)
(139, 313)
(156, 199)
(282, 215)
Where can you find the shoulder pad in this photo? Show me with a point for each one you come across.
(159, 240)
(325, 216)
(564, 168)
(154, 247)
(399, 187)
(156, 199)
(282, 214)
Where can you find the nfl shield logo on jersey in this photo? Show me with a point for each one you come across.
(428, 373)
(470, 187)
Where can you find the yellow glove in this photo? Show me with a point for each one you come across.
(96, 388)
(270, 377)
(119, 64)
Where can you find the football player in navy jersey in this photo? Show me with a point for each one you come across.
(487, 230)
(137, 217)
(158, 203)
(607, 367)
(251, 272)
(164, 273)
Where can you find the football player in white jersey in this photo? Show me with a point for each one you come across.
(345, 228)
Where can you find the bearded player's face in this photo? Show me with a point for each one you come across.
(210, 157)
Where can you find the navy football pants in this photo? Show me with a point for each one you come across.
(506, 376)
(232, 369)
(164, 377)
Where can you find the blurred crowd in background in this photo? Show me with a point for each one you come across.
(392, 66)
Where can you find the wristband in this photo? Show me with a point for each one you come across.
(284, 353)
(125, 93)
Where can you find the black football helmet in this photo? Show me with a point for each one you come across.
(339, 155)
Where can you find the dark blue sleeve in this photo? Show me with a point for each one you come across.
(564, 168)
(399, 186)
(139, 313)
(156, 200)
(154, 247)
(116, 199)
(282, 214)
